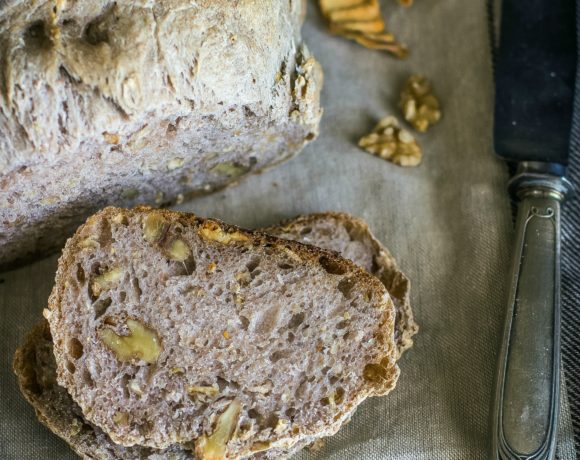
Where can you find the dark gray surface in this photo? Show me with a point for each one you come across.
(447, 222)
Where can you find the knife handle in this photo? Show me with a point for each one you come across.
(527, 392)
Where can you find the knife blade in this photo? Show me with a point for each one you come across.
(535, 72)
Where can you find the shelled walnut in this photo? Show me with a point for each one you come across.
(141, 343)
(419, 105)
(213, 446)
(390, 142)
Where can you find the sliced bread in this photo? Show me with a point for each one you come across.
(131, 102)
(353, 239)
(168, 329)
(35, 366)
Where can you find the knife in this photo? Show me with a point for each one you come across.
(535, 71)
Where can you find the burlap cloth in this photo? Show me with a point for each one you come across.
(448, 223)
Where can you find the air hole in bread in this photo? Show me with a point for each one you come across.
(277, 355)
(245, 322)
(306, 231)
(80, 274)
(87, 378)
(36, 36)
(290, 337)
(184, 268)
(70, 367)
(325, 370)
(332, 266)
(310, 136)
(285, 266)
(333, 379)
(75, 348)
(101, 306)
(253, 264)
(339, 395)
(271, 421)
(301, 390)
(249, 113)
(122, 296)
(296, 320)
(290, 412)
(105, 234)
(136, 288)
(255, 415)
(345, 286)
(222, 383)
(97, 31)
(96, 268)
(342, 325)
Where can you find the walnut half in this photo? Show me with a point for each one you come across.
(141, 343)
(390, 142)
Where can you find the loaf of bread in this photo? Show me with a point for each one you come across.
(169, 328)
(35, 366)
(132, 102)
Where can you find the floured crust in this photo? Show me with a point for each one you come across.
(384, 265)
(310, 256)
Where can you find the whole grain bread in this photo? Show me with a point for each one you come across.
(293, 336)
(142, 102)
(35, 366)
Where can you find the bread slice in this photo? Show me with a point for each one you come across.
(353, 239)
(35, 366)
(118, 103)
(164, 323)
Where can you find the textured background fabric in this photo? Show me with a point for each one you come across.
(448, 223)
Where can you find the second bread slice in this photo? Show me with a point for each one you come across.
(165, 325)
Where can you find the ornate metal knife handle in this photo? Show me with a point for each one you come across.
(527, 392)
